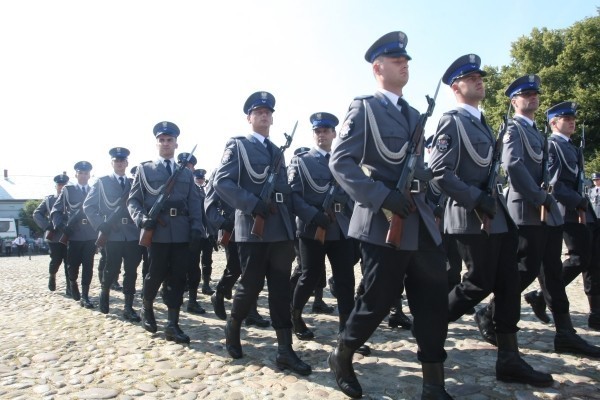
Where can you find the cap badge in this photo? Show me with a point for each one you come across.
(472, 58)
(531, 78)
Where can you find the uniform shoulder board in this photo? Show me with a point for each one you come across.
(147, 162)
(363, 97)
(302, 153)
(239, 137)
(451, 112)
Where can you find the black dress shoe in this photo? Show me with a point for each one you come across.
(129, 314)
(364, 350)
(331, 284)
(398, 318)
(486, 327)
(194, 307)
(300, 329)
(85, 302)
(52, 282)
(174, 334)
(571, 342)
(206, 289)
(254, 318)
(340, 363)
(233, 344)
(594, 321)
(75, 291)
(104, 301)
(320, 307)
(148, 320)
(218, 304)
(538, 305)
(116, 286)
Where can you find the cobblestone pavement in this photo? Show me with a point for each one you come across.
(51, 348)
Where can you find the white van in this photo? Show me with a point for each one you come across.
(8, 228)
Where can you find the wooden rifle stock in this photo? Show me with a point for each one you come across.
(394, 235)
(146, 237)
(320, 234)
(225, 238)
(64, 239)
(49, 235)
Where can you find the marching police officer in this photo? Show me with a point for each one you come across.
(220, 216)
(58, 251)
(536, 213)
(245, 168)
(367, 163)
(209, 242)
(594, 193)
(106, 209)
(177, 229)
(580, 230)
(461, 161)
(69, 219)
(322, 232)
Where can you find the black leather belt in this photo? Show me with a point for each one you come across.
(175, 212)
(278, 197)
(416, 186)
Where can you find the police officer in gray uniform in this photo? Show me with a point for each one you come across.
(58, 251)
(244, 169)
(461, 160)
(177, 229)
(580, 229)
(106, 209)
(69, 219)
(367, 162)
(594, 193)
(311, 182)
(536, 213)
(220, 217)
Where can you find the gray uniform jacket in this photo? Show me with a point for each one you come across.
(101, 202)
(41, 215)
(239, 180)
(594, 195)
(69, 202)
(460, 177)
(310, 178)
(564, 165)
(522, 160)
(215, 209)
(370, 185)
(180, 214)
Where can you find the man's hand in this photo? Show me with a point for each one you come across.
(486, 204)
(397, 203)
(261, 209)
(148, 223)
(321, 219)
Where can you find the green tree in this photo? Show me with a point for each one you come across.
(26, 216)
(568, 62)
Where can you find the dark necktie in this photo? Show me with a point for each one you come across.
(267, 144)
(403, 107)
(535, 126)
(84, 191)
(122, 181)
(327, 157)
(168, 166)
(483, 120)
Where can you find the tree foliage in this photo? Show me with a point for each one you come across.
(568, 63)
(26, 216)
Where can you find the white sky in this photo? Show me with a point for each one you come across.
(80, 77)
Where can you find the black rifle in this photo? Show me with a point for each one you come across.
(414, 151)
(269, 186)
(326, 208)
(163, 196)
(546, 186)
(490, 187)
(581, 181)
(111, 220)
(73, 220)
